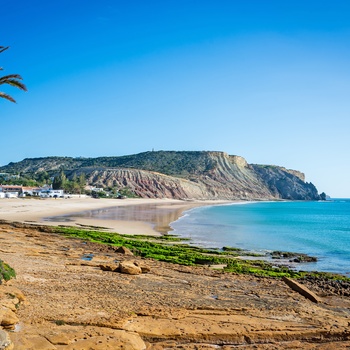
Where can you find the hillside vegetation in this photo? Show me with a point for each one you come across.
(166, 162)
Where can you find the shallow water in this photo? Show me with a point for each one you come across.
(320, 229)
(160, 216)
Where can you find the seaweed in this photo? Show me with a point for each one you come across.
(185, 254)
(6, 272)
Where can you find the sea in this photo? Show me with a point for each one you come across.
(320, 229)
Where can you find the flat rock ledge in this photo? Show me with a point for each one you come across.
(74, 304)
(64, 337)
(78, 338)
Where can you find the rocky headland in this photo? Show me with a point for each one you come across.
(178, 175)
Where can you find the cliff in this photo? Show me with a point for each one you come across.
(179, 175)
(285, 183)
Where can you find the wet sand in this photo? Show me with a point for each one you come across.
(129, 216)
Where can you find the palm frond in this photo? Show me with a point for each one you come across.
(13, 82)
(11, 76)
(7, 97)
(3, 48)
(11, 79)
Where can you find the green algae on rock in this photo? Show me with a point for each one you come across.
(6, 272)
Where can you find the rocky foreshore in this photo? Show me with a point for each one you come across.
(83, 295)
(10, 300)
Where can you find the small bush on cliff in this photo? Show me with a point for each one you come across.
(6, 272)
(127, 192)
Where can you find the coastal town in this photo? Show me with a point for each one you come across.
(40, 187)
(13, 191)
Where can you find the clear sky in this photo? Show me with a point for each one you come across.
(267, 80)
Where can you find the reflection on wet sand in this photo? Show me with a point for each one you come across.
(160, 216)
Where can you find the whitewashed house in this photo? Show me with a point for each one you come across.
(51, 193)
(11, 194)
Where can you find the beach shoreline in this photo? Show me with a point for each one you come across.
(156, 214)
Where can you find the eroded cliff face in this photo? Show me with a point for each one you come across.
(227, 177)
(286, 184)
(179, 175)
(146, 184)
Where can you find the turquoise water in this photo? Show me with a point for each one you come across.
(320, 229)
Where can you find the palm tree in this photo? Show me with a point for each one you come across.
(11, 79)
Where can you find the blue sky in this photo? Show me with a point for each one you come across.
(267, 80)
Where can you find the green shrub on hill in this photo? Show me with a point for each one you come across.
(175, 163)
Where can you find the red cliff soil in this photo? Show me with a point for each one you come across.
(72, 304)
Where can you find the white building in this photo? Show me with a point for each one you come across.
(11, 194)
(12, 191)
(50, 193)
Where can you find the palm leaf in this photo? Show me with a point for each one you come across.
(7, 97)
(3, 48)
(11, 76)
(10, 80)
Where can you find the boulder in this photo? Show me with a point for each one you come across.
(144, 268)
(11, 290)
(129, 268)
(124, 250)
(303, 290)
(8, 319)
(9, 304)
(109, 267)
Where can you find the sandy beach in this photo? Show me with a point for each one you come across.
(144, 216)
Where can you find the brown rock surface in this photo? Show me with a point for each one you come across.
(109, 267)
(129, 268)
(9, 304)
(306, 292)
(124, 250)
(8, 318)
(75, 306)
